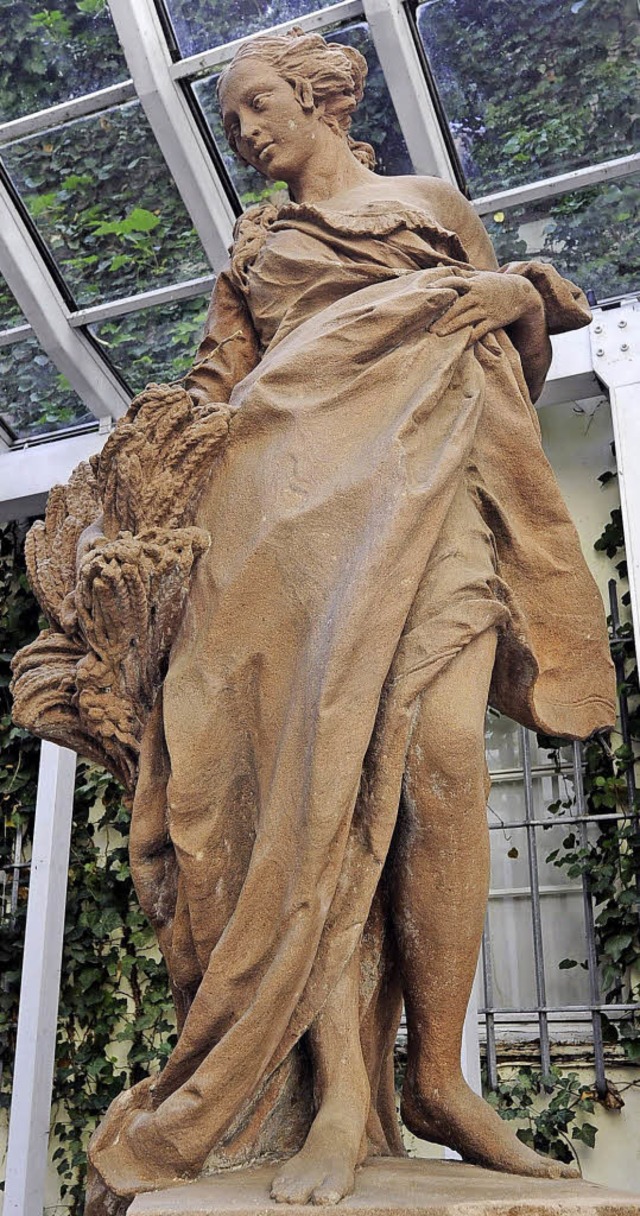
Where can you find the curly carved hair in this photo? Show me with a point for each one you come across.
(335, 72)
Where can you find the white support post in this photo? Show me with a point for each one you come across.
(615, 338)
(28, 277)
(40, 986)
(409, 91)
(170, 118)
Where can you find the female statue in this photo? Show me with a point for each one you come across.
(389, 552)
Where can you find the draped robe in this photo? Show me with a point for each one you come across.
(383, 499)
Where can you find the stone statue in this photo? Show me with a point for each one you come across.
(280, 601)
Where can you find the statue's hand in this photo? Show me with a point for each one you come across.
(487, 301)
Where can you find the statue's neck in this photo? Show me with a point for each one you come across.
(332, 170)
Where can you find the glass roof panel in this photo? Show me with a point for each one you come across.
(55, 50)
(155, 344)
(34, 398)
(534, 88)
(10, 314)
(211, 23)
(374, 121)
(591, 235)
(101, 196)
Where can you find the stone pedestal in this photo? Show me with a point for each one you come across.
(392, 1187)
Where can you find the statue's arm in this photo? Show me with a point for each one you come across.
(229, 349)
(528, 332)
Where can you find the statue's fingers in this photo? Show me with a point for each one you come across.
(462, 286)
(457, 317)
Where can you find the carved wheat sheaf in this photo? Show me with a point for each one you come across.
(110, 566)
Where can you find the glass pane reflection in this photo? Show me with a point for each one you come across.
(533, 88)
(53, 53)
(10, 314)
(101, 196)
(374, 121)
(591, 235)
(213, 22)
(156, 344)
(34, 397)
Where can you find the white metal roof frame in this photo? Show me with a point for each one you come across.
(160, 85)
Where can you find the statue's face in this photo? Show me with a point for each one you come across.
(265, 121)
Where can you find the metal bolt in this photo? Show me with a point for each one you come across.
(625, 346)
(597, 329)
(622, 324)
(599, 351)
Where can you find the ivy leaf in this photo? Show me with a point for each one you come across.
(586, 1133)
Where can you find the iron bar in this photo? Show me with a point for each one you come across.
(535, 1010)
(536, 918)
(487, 984)
(507, 825)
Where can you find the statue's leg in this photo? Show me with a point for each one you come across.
(440, 885)
(324, 1169)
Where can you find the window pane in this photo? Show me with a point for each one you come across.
(533, 88)
(34, 397)
(214, 22)
(10, 314)
(156, 344)
(591, 235)
(55, 50)
(374, 121)
(102, 198)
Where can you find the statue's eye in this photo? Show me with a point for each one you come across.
(259, 102)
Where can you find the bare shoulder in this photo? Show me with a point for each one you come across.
(447, 203)
(450, 208)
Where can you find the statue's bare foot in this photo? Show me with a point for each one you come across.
(323, 1172)
(452, 1114)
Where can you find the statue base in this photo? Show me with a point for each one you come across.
(396, 1187)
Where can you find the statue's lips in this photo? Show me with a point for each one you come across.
(265, 150)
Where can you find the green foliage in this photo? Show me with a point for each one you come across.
(154, 343)
(34, 397)
(103, 201)
(115, 1022)
(550, 1110)
(206, 23)
(535, 88)
(53, 51)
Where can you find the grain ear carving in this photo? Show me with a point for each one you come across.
(110, 566)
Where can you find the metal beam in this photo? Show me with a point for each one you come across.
(66, 111)
(408, 87)
(30, 281)
(28, 473)
(571, 376)
(217, 57)
(174, 126)
(147, 299)
(615, 339)
(549, 187)
(40, 986)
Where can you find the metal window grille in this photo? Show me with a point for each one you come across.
(578, 818)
